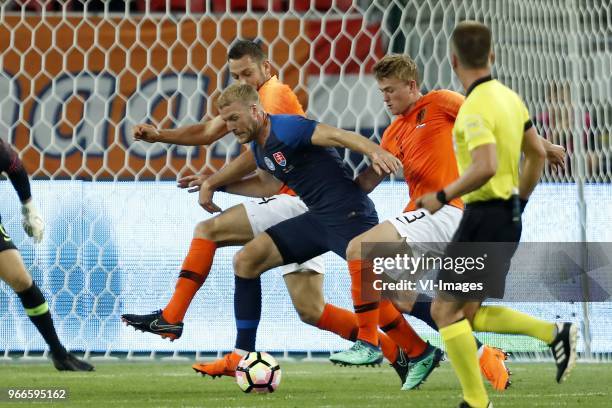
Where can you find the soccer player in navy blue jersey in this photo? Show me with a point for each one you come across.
(14, 273)
(300, 153)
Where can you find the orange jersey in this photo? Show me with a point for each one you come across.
(422, 139)
(277, 99)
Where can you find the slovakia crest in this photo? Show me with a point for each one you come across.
(269, 163)
(279, 158)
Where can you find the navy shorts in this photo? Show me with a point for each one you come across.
(307, 235)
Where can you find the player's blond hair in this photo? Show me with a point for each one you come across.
(397, 66)
(238, 92)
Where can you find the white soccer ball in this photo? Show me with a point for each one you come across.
(258, 372)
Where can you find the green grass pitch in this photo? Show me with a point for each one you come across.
(304, 384)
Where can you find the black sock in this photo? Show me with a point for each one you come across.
(422, 310)
(37, 309)
(247, 311)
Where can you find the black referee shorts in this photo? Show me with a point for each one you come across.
(489, 231)
(5, 240)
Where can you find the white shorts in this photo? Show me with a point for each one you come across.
(266, 212)
(428, 233)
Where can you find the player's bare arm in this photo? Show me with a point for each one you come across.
(483, 167)
(232, 172)
(200, 134)
(533, 164)
(383, 162)
(369, 179)
(260, 185)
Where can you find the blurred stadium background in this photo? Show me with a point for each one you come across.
(75, 76)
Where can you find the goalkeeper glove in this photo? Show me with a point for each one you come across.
(33, 224)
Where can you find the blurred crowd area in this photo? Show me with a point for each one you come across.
(194, 6)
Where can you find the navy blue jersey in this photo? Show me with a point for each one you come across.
(317, 174)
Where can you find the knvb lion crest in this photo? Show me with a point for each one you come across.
(421, 116)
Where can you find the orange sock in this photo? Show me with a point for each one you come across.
(339, 321)
(395, 325)
(194, 271)
(367, 313)
(344, 323)
(388, 347)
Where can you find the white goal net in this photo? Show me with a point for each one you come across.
(75, 76)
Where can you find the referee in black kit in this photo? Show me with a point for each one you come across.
(491, 132)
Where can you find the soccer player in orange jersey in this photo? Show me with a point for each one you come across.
(421, 137)
(239, 224)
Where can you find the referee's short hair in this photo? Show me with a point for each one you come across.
(471, 42)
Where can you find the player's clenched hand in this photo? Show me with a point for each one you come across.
(384, 162)
(429, 202)
(146, 133)
(192, 182)
(555, 154)
(205, 200)
(32, 222)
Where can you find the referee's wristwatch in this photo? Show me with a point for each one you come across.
(441, 196)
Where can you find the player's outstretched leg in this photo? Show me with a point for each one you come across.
(256, 257)
(154, 323)
(247, 311)
(562, 338)
(305, 285)
(492, 360)
(422, 357)
(231, 227)
(564, 349)
(493, 366)
(13, 272)
(225, 366)
(421, 367)
(361, 353)
(366, 350)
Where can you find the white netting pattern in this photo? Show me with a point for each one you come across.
(75, 80)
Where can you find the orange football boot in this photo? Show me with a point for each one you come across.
(494, 369)
(224, 366)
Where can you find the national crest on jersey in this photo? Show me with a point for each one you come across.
(279, 158)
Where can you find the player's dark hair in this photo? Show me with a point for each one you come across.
(397, 66)
(243, 48)
(471, 42)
